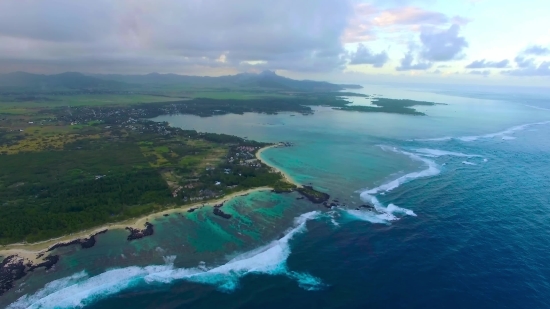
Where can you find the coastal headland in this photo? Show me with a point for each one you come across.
(21, 258)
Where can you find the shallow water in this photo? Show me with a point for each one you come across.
(463, 213)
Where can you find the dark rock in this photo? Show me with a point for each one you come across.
(64, 244)
(49, 261)
(137, 234)
(220, 213)
(11, 269)
(191, 209)
(166, 215)
(313, 195)
(84, 243)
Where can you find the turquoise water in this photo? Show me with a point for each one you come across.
(461, 218)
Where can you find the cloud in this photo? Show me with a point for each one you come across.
(482, 64)
(442, 45)
(531, 69)
(172, 36)
(523, 62)
(369, 20)
(363, 55)
(406, 63)
(410, 16)
(536, 50)
(483, 73)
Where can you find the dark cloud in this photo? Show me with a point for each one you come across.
(484, 73)
(171, 35)
(483, 64)
(442, 45)
(406, 63)
(363, 55)
(536, 50)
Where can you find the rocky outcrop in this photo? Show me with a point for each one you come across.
(85, 243)
(15, 267)
(138, 234)
(313, 195)
(218, 212)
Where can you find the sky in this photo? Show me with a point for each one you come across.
(491, 42)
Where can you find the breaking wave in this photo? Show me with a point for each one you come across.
(468, 163)
(80, 289)
(385, 214)
(472, 138)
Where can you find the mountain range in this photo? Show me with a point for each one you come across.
(74, 80)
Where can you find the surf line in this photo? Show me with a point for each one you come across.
(385, 214)
(472, 138)
(80, 290)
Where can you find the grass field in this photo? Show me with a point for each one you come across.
(11, 104)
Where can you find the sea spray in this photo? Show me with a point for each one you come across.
(80, 289)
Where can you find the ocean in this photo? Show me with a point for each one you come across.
(462, 216)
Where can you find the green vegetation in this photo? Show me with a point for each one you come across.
(76, 151)
(56, 180)
(393, 106)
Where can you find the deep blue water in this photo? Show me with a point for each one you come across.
(470, 229)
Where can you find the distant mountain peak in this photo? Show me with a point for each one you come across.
(268, 73)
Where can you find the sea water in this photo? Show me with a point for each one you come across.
(462, 217)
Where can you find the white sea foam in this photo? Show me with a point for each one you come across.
(332, 215)
(396, 209)
(388, 213)
(436, 153)
(472, 138)
(468, 163)
(80, 290)
(538, 107)
(507, 138)
(370, 216)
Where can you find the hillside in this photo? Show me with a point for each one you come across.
(112, 82)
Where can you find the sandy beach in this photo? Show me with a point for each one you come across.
(287, 177)
(30, 251)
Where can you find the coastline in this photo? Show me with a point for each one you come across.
(34, 252)
(286, 176)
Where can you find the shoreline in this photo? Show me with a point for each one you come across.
(286, 176)
(32, 251)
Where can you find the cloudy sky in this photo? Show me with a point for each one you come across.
(451, 41)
